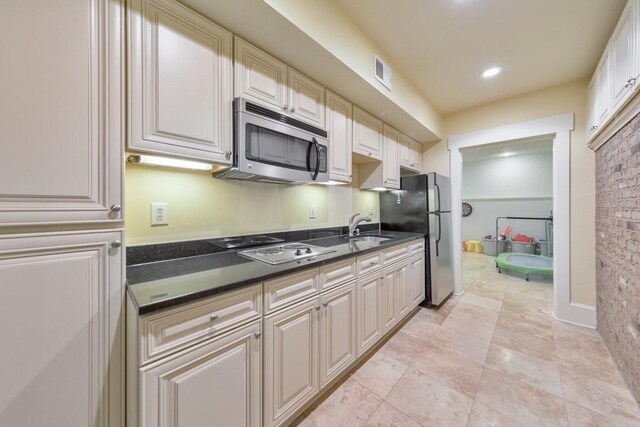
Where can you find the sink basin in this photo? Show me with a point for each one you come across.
(369, 239)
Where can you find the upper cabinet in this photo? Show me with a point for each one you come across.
(368, 137)
(180, 83)
(339, 126)
(624, 55)
(391, 163)
(410, 154)
(62, 113)
(265, 80)
(615, 80)
(259, 76)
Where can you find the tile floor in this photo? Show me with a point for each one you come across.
(493, 357)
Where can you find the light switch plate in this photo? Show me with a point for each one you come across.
(159, 213)
(312, 211)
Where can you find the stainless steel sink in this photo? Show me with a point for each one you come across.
(369, 239)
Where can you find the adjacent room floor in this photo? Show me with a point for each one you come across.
(492, 357)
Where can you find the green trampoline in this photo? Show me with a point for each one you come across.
(526, 264)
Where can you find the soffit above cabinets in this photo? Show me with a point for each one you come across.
(261, 25)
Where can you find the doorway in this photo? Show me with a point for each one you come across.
(507, 224)
(558, 129)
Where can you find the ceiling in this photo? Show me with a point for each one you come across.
(442, 46)
(508, 149)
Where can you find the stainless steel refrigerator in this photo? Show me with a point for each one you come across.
(423, 205)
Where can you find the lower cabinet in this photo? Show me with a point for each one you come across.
(416, 280)
(337, 332)
(404, 305)
(389, 297)
(370, 319)
(216, 383)
(61, 357)
(291, 360)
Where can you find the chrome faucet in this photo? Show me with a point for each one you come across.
(353, 223)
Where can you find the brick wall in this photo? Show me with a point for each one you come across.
(618, 249)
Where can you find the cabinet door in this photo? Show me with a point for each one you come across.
(180, 82)
(62, 114)
(592, 99)
(402, 284)
(624, 56)
(290, 360)
(416, 156)
(389, 298)
(367, 134)
(391, 163)
(416, 281)
(603, 97)
(405, 151)
(306, 99)
(215, 383)
(61, 361)
(339, 126)
(259, 76)
(337, 332)
(369, 312)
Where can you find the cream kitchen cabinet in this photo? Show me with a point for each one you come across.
(62, 357)
(62, 114)
(624, 55)
(291, 360)
(337, 332)
(402, 292)
(616, 79)
(410, 154)
(389, 298)
(339, 126)
(368, 137)
(218, 382)
(265, 80)
(180, 83)
(391, 162)
(370, 325)
(416, 280)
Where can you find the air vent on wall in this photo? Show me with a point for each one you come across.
(382, 72)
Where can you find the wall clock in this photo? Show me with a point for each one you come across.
(466, 209)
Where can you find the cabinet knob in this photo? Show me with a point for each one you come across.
(293, 110)
(116, 244)
(227, 154)
(630, 82)
(257, 334)
(213, 317)
(325, 303)
(372, 262)
(317, 307)
(285, 108)
(369, 153)
(350, 176)
(116, 208)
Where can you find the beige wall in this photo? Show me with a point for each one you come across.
(566, 98)
(202, 207)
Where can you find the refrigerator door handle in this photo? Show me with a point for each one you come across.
(439, 234)
(437, 187)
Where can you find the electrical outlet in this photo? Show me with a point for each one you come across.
(159, 213)
(312, 211)
(371, 211)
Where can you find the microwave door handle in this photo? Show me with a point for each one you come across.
(315, 144)
(309, 157)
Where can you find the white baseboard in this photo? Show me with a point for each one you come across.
(577, 314)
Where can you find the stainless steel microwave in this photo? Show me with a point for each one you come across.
(272, 147)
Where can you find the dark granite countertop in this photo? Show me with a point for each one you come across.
(158, 285)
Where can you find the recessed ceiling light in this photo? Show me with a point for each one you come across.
(507, 154)
(491, 72)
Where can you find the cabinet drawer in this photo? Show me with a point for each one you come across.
(338, 273)
(284, 291)
(169, 331)
(369, 263)
(395, 254)
(416, 247)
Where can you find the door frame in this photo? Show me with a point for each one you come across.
(559, 128)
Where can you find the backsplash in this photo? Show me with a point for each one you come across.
(201, 207)
(618, 249)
